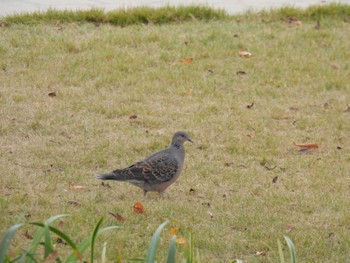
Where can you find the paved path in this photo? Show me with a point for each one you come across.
(232, 6)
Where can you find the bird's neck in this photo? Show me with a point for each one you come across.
(177, 145)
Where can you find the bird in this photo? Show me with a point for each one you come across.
(158, 171)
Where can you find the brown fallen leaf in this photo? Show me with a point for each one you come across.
(174, 230)
(250, 105)
(60, 224)
(260, 253)
(274, 180)
(103, 184)
(138, 208)
(241, 72)
(133, 117)
(181, 240)
(52, 94)
(61, 241)
(290, 20)
(27, 235)
(306, 145)
(289, 227)
(52, 257)
(118, 216)
(75, 203)
(298, 23)
(187, 92)
(244, 54)
(77, 187)
(187, 60)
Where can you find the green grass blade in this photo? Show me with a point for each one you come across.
(6, 241)
(137, 259)
(34, 245)
(189, 249)
(280, 251)
(64, 237)
(93, 238)
(172, 250)
(47, 244)
(85, 244)
(53, 218)
(293, 257)
(154, 243)
(103, 254)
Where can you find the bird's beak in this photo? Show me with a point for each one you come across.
(189, 139)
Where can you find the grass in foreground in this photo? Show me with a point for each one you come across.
(296, 84)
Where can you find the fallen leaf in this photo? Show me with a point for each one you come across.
(103, 184)
(339, 147)
(75, 203)
(52, 257)
(61, 241)
(260, 253)
(289, 228)
(187, 92)
(318, 25)
(27, 235)
(335, 66)
(181, 240)
(52, 94)
(241, 72)
(187, 60)
(290, 20)
(76, 187)
(60, 224)
(138, 208)
(118, 216)
(244, 54)
(298, 23)
(133, 117)
(250, 105)
(174, 230)
(306, 145)
(274, 180)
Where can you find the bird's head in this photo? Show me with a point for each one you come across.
(181, 137)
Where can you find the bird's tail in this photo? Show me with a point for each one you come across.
(110, 176)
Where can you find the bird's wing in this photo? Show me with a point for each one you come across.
(155, 169)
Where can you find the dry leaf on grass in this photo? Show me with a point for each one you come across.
(244, 54)
(52, 94)
(77, 187)
(118, 216)
(138, 208)
(187, 92)
(187, 60)
(133, 117)
(289, 228)
(306, 145)
(181, 240)
(27, 235)
(174, 230)
(260, 253)
(274, 180)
